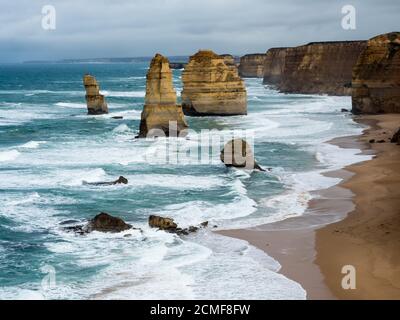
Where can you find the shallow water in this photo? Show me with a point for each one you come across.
(48, 146)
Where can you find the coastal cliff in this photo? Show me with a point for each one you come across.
(160, 102)
(376, 77)
(314, 68)
(211, 87)
(274, 65)
(252, 65)
(96, 103)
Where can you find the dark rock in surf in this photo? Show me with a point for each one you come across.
(120, 180)
(169, 225)
(237, 153)
(103, 222)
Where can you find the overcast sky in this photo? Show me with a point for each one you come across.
(127, 28)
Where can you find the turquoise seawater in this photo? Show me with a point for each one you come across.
(49, 146)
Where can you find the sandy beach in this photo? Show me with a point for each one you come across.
(354, 223)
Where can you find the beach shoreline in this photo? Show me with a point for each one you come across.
(307, 246)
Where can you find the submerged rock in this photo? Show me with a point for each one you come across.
(376, 77)
(168, 225)
(161, 116)
(238, 153)
(120, 180)
(211, 87)
(103, 222)
(95, 101)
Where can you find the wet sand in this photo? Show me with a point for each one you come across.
(313, 248)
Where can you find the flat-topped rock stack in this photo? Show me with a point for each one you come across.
(376, 77)
(252, 65)
(161, 109)
(96, 103)
(211, 87)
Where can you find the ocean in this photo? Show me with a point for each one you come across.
(49, 146)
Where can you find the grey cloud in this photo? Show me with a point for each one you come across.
(99, 28)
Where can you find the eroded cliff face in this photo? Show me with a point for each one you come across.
(160, 102)
(211, 87)
(96, 103)
(252, 65)
(376, 76)
(315, 68)
(274, 65)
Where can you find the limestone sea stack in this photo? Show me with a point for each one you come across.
(211, 87)
(376, 77)
(160, 109)
(238, 153)
(96, 103)
(252, 65)
(314, 68)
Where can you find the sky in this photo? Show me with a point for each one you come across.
(132, 28)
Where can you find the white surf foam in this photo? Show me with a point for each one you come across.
(133, 94)
(8, 155)
(32, 144)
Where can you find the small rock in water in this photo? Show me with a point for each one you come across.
(168, 225)
(344, 110)
(103, 222)
(120, 180)
(117, 117)
(162, 223)
(237, 153)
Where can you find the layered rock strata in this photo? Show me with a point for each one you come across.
(376, 77)
(211, 87)
(315, 68)
(161, 116)
(252, 65)
(274, 64)
(96, 103)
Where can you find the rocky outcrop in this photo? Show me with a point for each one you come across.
(96, 103)
(274, 64)
(376, 77)
(162, 223)
(103, 222)
(238, 153)
(161, 115)
(396, 137)
(120, 180)
(211, 87)
(315, 68)
(252, 65)
(168, 225)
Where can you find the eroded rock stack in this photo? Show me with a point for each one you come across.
(376, 77)
(315, 68)
(238, 153)
(252, 65)
(96, 103)
(160, 109)
(211, 87)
